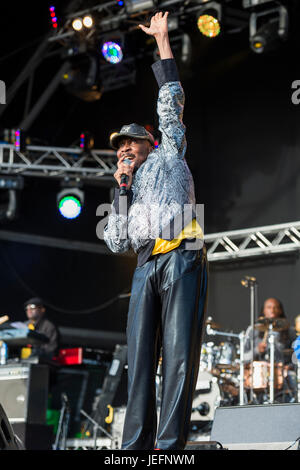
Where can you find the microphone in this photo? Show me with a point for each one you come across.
(124, 179)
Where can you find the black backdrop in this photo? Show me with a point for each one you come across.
(243, 150)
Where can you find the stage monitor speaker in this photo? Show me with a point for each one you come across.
(8, 440)
(203, 445)
(24, 392)
(257, 427)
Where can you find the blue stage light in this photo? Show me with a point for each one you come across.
(112, 52)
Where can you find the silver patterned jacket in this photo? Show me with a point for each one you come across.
(163, 184)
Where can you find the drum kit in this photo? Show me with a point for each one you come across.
(225, 379)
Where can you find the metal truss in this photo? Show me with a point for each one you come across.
(59, 162)
(256, 241)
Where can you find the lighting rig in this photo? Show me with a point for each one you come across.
(97, 49)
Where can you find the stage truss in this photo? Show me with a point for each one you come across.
(59, 162)
(251, 242)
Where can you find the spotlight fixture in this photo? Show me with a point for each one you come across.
(70, 202)
(134, 6)
(112, 52)
(209, 20)
(11, 182)
(9, 188)
(77, 24)
(83, 79)
(87, 21)
(270, 33)
(254, 3)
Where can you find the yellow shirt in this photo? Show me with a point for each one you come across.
(192, 230)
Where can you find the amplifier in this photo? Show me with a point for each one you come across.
(257, 427)
(24, 392)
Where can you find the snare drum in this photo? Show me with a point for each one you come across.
(261, 374)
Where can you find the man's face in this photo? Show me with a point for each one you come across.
(34, 312)
(137, 150)
(272, 308)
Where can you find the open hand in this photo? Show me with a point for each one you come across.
(158, 24)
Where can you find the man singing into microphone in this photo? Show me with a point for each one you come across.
(169, 286)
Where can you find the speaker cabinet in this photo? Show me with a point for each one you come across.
(257, 427)
(24, 392)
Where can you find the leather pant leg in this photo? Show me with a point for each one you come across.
(183, 288)
(143, 347)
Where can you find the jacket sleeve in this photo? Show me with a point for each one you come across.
(170, 107)
(116, 230)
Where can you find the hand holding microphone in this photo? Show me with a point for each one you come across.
(123, 175)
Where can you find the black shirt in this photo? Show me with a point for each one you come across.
(47, 328)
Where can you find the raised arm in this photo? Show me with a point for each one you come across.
(159, 29)
(170, 103)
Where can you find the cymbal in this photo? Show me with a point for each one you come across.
(279, 324)
(212, 324)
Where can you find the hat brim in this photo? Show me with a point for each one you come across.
(117, 137)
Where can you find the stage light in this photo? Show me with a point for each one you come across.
(209, 25)
(11, 182)
(83, 79)
(19, 140)
(86, 141)
(53, 16)
(254, 3)
(87, 21)
(112, 52)
(77, 24)
(134, 6)
(270, 33)
(209, 19)
(70, 201)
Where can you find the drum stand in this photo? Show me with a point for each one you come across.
(272, 362)
(241, 337)
(249, 281)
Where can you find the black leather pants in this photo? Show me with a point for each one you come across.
(166, 309)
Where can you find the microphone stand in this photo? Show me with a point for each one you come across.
(63, 425)
(249, 281)
(96, 427)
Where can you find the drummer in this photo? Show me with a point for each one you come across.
(272, 309)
